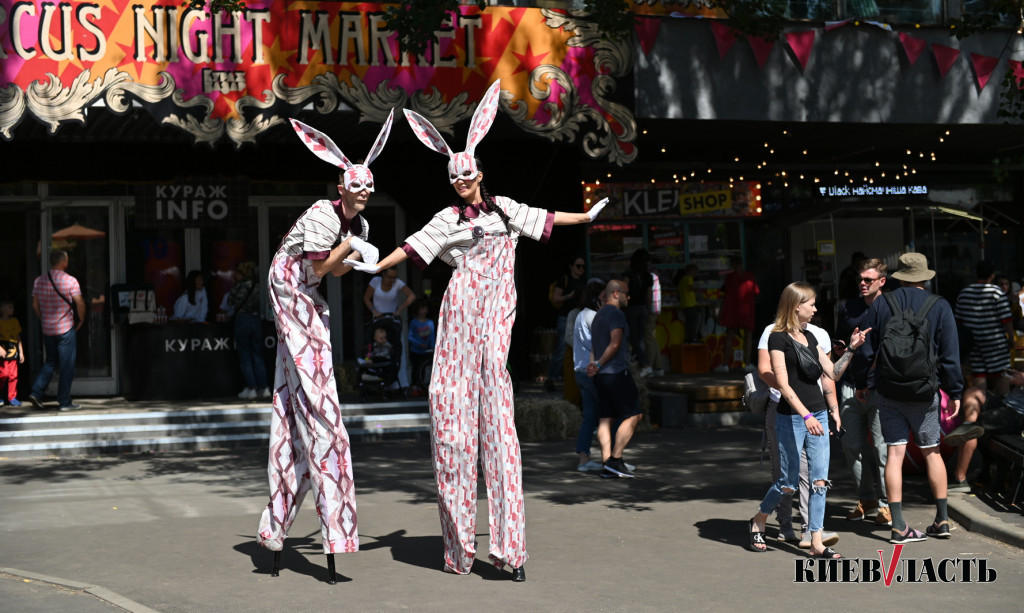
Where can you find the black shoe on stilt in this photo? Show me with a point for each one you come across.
(519, 574)
(332, 576)
(276, 570)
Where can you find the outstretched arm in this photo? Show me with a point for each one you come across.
(568, 219)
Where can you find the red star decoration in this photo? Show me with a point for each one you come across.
(529, 60)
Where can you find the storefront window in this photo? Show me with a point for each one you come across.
(155, 256)
(223, 249)
(611, 245)
(82, 231)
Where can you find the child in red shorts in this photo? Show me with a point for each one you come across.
(11, 353)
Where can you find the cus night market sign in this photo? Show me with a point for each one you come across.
(239, 74)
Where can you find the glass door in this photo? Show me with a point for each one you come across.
(83, 229)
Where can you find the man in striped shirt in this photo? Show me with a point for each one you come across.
(52, 297)
(983, 310)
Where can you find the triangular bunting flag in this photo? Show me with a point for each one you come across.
(646, 32)
(944, 57)
(801, 43)
(725, 37)
(912, 46)
(879, 24)
(762, 49)
(983, 67)
(832, 25)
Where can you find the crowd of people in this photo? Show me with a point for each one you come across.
(893, 366)
(894, 373)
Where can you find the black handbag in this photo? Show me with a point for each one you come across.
(807, 361)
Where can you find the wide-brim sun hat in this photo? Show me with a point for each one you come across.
(913, 268)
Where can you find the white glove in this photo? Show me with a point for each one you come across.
(368, 251)
(362, 266)
(596, 209)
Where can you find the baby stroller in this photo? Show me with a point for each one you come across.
(378, 369)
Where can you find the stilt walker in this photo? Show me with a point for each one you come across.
(309, 446)
(472, 415)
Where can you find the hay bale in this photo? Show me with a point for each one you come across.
(346, 376)
(547, 419)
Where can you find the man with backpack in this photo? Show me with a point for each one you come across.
(911, 348)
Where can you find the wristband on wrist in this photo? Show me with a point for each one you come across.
(806, 417)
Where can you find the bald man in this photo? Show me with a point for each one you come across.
(618, 398)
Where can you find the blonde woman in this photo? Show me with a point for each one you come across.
(801, 421)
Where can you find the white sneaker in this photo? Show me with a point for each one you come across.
(646, 372)
(247, 394)
(266, 393)
(590, 465)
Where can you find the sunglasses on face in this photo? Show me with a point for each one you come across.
(868, 280)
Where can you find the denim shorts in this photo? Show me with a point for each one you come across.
(900, 417)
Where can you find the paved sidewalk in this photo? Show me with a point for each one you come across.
(174, 532)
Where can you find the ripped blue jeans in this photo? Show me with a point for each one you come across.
(793, 436)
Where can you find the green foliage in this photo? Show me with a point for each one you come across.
(415, 22)
(755, 18)
(1011, 101)
(994, 15)
(613, 18)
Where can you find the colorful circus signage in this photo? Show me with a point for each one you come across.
(235, 75)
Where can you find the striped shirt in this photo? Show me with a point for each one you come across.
(983, 309)
(57, 317)
(444, 237)
(318, 230)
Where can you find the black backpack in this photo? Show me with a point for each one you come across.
(907, 365)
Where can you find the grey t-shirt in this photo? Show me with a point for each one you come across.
(610, 318)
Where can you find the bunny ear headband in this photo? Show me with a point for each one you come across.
(357, 176)
(460, 165)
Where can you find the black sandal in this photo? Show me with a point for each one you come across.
(756, 538)
(828, 554)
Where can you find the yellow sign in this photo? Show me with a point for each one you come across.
(704, 202)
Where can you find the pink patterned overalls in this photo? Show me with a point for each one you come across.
(309, 446)
(471, 407)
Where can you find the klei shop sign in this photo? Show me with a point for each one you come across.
(701, 199)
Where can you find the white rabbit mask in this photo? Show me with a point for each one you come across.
(460, 165)
(357, 177)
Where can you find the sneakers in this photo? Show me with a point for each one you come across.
(658, 372)
(589, 466)
(647, 371)
(827, 539)
(721, 368)
(70, 407)
(35, 402)
(615, 467)
(266, 393)
(966, 431)
(960, 487)
(786, 535)
(884, 517)
(939, 530)
(14, 402)
(860, 511)
(910, 536)
(247, 394)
